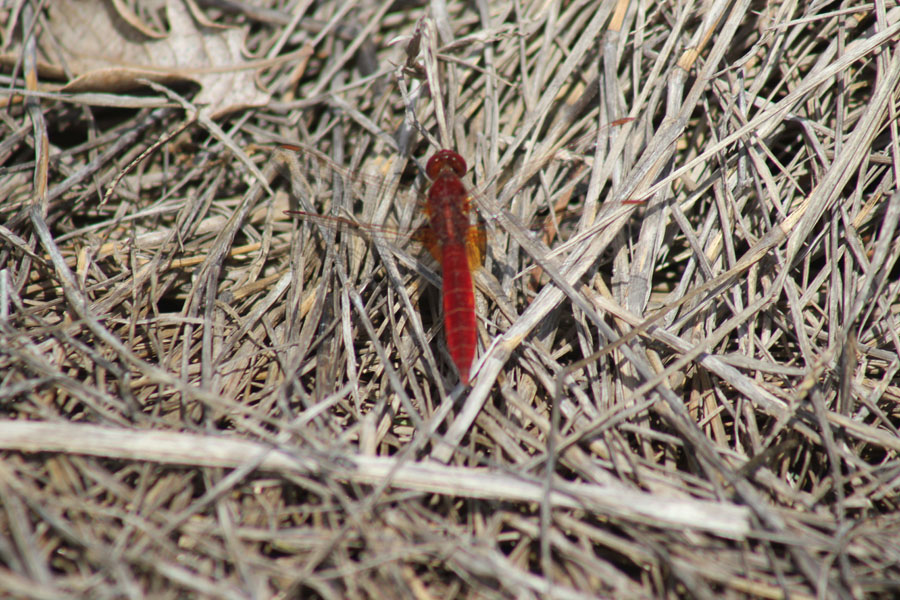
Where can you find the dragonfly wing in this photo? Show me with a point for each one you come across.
(476, 245)
(425, 235)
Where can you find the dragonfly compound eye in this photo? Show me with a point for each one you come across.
(445, 159)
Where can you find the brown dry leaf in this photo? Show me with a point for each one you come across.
(109, 53)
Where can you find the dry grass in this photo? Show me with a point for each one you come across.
(203, 396)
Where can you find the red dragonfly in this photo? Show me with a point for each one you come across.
(458, 245)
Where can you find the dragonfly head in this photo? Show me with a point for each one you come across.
(444, 160)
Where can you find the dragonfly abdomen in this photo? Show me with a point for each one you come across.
(459, 308)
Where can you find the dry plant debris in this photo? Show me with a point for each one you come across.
(688, 378)
(110, 51)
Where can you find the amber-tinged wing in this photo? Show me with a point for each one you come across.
(476, 245)
(425, 236)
